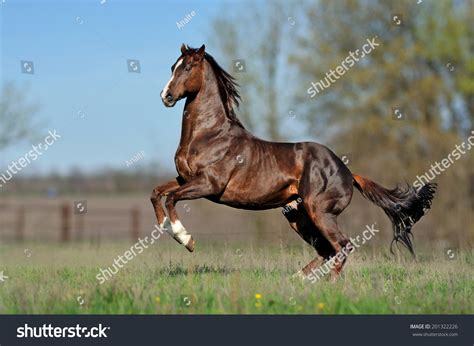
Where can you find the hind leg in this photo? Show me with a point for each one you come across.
(326, 192)
(326, 222)
(305, 227)
(338, 240)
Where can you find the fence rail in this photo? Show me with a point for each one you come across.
(60, 221)
(69, 222)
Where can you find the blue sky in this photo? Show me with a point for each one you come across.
(80, 51)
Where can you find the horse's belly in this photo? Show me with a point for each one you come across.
(256, 196)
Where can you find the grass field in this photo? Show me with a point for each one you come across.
(216, 279)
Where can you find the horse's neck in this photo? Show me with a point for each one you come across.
(204, 113)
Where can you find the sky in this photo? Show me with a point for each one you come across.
(104, 114)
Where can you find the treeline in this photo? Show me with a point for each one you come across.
(422, 69)
(104, 182)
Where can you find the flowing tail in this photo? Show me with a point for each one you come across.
(403, 206)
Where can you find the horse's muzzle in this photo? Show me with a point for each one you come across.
(168, 103)
(168, 99)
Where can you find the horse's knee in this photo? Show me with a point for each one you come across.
(154, 197)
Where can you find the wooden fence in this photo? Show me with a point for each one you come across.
(70, 225)
(121, 218)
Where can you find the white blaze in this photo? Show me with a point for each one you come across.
(167, 86)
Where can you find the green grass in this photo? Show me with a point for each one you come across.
(166, 279)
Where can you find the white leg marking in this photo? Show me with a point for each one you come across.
(166, 226)
(180, 232)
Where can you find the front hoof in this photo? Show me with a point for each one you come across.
(190, 245)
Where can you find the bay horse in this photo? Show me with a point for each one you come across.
(218, 159)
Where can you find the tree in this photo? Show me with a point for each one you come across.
(259, 40)
(16, 116)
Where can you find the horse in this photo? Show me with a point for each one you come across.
(220, 160)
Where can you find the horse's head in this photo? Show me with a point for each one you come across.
(186, 76)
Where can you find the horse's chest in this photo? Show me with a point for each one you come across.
(185, 162)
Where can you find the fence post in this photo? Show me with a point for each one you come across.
(135, 217)
(79, 226)
(20, 224)
(65, 222)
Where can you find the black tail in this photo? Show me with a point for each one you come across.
(404, 207)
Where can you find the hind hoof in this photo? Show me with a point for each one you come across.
(190, 245)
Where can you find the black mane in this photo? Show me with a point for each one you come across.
(227, 89)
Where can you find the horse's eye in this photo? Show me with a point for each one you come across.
(187, 68)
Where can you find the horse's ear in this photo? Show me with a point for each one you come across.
(200, 51)
(184, 48)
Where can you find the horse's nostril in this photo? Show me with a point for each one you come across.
(169, 97)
